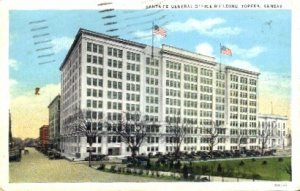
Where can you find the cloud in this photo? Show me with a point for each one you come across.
(61, 43)
(243, 64)
(208, 27)
(272, 83)
(14, 64)
(12, 83)
(205, 48)
(246, 53)
(30, 111)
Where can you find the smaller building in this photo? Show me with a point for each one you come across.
(44, 136)
(54, 122)
(273, 131)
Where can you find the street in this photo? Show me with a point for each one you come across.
(36, 167)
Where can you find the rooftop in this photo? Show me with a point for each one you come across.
(165, 49)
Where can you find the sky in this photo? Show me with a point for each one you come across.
(260, 41)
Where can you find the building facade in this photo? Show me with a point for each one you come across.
(274, 130)
(44, 136)
(54, 121)
(109, 77)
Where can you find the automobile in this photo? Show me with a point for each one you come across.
(236, 153)
(227, 154)
(203, 155)
(150, 155)
(204, 179)
(217, 154)
(97, 157)
(158, 154)
(268, 153)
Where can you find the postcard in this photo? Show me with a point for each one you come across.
(149, 94)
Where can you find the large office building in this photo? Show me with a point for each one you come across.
(110, 77)
(54, 122)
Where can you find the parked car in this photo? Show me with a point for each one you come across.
(228, 154)
(97, 157)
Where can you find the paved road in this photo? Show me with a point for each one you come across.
(35, 167)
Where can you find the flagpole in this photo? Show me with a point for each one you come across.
(220, 56)
(152, 54)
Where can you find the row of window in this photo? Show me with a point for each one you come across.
(115, 52)
(190, 78)
(151, 109)
(151, 71)
(173, 93)
(151, 81)
(152, 62)
(133, 77)
(191, 69)
(133, 56)
(133, 97)
(114, 85)
(94, 93)
(114, 74)
(152, 90)
(94, 59)
(114, 105)
(132, 107)
(133, 67)
(133, 87)
(189, 86)
(94, 70)
(173, 74)
(94, 104)
(96, 48)
(114, 63)
(152, 99)
(94, 82)
(173, 65)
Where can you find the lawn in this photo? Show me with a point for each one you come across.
(271, 169)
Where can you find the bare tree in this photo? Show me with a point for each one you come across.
(133, 131)
(264, 136)
(80, 124)
(213, 134)
(177, 132)
(241, 136)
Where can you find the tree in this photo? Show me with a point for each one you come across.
(177, 132)
(241, 138)
(213, 134)
(80, 123)
(264, 136)
(133, 131)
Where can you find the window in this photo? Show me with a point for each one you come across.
(89, 58)
(89, 46)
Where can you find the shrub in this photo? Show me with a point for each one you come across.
(253, 159)
(101, 167)
(280, 159)
(242, 163)
(157, 174)
(177, 165)
(185, 172)
(148, 166)
(128, 170)
(256, 176)
(264, 162)
(113, 168)
(219, 169)
(171, 164)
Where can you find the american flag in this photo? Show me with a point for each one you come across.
(226, 51)
(159, 30)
